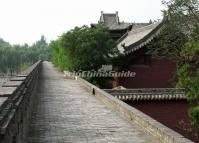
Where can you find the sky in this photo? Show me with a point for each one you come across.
(24, 21)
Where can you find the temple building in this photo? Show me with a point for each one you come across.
(132, 41)
(150, 91)
(150, 72)
(116, 28)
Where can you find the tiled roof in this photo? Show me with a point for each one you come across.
(138, 37)
(111, 21)
(148, 94)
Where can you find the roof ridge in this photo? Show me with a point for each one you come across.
(109, 13)
(144, 27)
(139, 37)
(146, 39)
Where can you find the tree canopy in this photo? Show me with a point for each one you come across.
(14, 57)
(83, 48)
(180, 41)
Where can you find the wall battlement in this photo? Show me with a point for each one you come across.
(16, 102)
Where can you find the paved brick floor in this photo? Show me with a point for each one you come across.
(66, 113)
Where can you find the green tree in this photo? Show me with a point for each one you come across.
(84, 48)
(183, 15)
(14, 57)
(179, 40)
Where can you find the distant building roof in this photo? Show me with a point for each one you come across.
(138, 37)
(112, 22)
(135, 35)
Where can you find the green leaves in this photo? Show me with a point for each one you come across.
(190, 52)
(169, 43)
(83, 48)
(188, 75)
(190, 80)
(194, 117)
(182, 20)
(180, 41)
(15, 57)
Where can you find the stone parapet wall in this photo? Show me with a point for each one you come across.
(16, 102)
(148, 124)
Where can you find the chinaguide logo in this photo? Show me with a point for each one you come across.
(104, 71)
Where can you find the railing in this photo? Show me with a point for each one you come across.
(16, 101)
(148, 94)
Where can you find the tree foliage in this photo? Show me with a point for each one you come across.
(14, 57)
(180, 41)
(168, 43)
(188, 75)
(181, 17)
(83, 48)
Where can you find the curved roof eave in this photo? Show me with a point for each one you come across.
(141, 42)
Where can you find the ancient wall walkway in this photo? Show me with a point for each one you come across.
(66, 113)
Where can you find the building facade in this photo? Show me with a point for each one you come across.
(132, 40)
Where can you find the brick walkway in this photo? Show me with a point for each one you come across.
(66, 113)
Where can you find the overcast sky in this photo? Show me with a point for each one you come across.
(24, 21)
